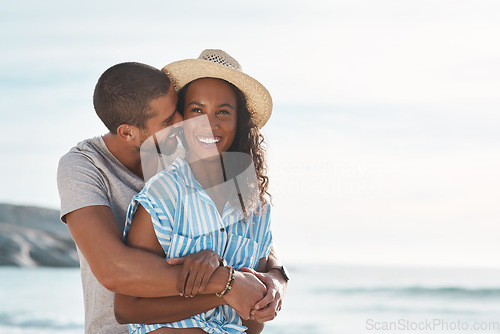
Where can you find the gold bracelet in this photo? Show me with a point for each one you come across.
(228, 284)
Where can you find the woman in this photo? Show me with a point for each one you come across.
(212, 204)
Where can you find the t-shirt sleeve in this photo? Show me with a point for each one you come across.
(80, 184)
(266, 235)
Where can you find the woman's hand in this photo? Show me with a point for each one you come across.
(196, 272)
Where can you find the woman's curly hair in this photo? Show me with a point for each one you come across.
(249, 140)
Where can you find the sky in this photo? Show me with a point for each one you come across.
(383, 145)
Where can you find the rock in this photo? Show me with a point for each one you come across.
(33, 236)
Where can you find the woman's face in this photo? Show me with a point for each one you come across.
(214, 133)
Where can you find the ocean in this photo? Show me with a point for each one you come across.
(320, 299)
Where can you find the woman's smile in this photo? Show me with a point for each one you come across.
(209, 140)
(210, 118)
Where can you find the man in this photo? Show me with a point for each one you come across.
(97, 180)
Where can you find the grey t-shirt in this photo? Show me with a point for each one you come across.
(90, 175)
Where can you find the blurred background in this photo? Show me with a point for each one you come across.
(383, 146)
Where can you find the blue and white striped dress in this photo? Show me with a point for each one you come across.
(186, 221)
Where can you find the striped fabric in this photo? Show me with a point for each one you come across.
(186, 221)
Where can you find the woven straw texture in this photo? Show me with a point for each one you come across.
(218, 64)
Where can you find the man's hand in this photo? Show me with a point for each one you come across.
(245, 292)
(267, 308)
(196, 271)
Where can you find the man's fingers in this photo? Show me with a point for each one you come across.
(265, 319)
(257, 274)
(251, 271)
(268, 298)
(265, 314)
(260, 276)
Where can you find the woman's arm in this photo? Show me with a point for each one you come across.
(161, 310)
(130, 309)
(247, 289)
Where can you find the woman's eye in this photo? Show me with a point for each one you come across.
(196, 110)
(224, 112)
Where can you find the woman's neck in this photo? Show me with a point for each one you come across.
(210, 174)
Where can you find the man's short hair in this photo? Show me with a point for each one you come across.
(123, 94)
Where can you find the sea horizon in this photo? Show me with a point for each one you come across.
(320, 299)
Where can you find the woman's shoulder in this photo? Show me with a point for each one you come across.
(260, 212)
(265, 208)
(169, 179)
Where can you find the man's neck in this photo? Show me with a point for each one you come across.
(125, 152)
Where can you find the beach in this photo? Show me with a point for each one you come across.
(383, 151)
(320, 299)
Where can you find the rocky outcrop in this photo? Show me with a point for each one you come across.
(33, 236)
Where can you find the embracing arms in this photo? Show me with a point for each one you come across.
(247, 289)
(117, 267)
(142, 273)
(127, 270)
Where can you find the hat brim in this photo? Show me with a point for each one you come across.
(258, 99)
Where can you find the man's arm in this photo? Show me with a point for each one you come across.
(248, 289)
(273, 263)
(119, 268)
(253, 325)
(267, 308)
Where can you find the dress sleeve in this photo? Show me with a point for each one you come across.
(158, 198)
(266, 236)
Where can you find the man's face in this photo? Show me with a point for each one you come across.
(161, 125)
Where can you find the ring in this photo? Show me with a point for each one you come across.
(275, 313)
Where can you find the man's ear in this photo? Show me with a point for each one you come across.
(127, 132)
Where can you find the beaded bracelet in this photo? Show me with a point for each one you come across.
(228, 284)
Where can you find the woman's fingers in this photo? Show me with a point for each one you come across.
(176, 260)
(183, 277)
(196, 271)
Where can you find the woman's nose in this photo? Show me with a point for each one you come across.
(213, 120)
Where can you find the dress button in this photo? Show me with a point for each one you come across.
(222, 229)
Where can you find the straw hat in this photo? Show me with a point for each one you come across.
(218, 64)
